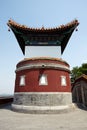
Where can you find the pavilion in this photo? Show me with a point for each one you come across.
(42, 82)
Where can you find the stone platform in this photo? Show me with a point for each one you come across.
(41, 102)
(76, 120)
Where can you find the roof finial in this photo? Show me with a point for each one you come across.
(42, 27)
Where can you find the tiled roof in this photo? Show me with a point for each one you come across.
(25, 35)
(60, 28)
(83, 76)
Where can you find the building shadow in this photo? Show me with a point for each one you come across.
(6, 106)
(80, 106)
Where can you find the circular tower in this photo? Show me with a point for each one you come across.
(42, 82)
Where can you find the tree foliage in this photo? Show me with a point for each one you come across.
(78, 71)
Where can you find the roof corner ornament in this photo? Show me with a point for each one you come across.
(76, 29)
(9, 29)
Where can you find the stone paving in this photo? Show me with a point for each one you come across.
(9, 120)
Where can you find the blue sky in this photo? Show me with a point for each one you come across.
(35, 13)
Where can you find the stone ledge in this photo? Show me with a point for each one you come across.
(43, 65)
(43, 109)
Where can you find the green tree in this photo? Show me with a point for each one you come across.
(84, 68)
(75, 73)
(78, 71)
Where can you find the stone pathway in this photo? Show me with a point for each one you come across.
(9, 120)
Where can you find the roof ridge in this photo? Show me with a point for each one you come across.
(70, 24)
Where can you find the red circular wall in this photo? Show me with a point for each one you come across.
(32, 78)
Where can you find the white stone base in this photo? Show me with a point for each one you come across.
(42, 102)
(43, 109)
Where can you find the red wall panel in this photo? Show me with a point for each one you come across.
(32, 81)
